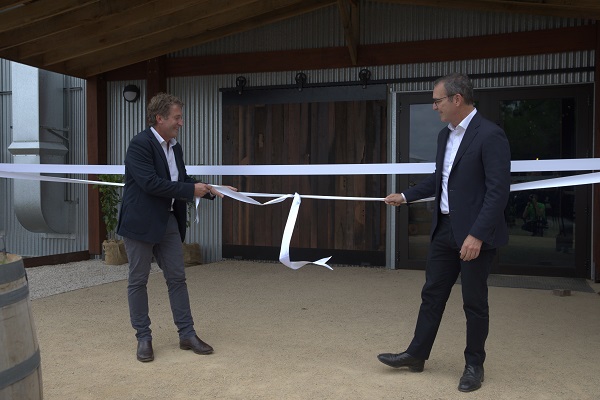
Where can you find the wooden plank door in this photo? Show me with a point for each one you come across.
(337, 132)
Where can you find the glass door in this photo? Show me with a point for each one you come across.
(549, 228)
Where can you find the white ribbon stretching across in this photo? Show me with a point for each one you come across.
(574, 164)
(32, 171)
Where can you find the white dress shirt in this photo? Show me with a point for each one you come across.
(168, 149)
(454, 139)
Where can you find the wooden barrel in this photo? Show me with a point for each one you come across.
(20, 371)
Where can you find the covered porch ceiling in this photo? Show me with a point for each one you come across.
(83, 38)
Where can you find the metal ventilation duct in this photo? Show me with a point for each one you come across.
(39, 138)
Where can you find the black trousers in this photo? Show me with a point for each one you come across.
(443, 266)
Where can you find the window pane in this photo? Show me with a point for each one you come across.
(541, 222)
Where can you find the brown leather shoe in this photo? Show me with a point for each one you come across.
(196, 344)
(144, 351)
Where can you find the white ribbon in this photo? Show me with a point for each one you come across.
(575, 164)
(32, 171)
(284, 253)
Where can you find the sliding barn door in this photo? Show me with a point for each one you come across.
(336, 132)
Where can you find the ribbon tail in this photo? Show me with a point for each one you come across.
(284, 253)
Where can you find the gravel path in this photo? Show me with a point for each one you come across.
(54, 279)
(306, 334)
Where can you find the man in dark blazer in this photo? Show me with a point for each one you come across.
(471, 185)
(153, 221)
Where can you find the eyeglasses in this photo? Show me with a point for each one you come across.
(438, 101)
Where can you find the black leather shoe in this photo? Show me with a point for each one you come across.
(471, 379)
(402, 360)
(196, 344)
(144, 351)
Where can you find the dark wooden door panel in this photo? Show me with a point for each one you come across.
(307, 133)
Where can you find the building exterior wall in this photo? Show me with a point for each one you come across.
(381, 22)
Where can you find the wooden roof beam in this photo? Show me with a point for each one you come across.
(584, 9)
(349, 12)
(110, 29)
(8, 4)
(39, 10)
(183, 37)
(71, 22)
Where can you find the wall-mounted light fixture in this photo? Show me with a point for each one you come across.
(300, 80)
(131, 93)
(364, 75)
(240, 84)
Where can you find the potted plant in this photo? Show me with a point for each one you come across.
(110, 197)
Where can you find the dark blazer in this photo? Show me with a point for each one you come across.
(148, 190)
(478, 185)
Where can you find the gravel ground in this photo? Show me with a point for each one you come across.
(49, 280)
(306, 334)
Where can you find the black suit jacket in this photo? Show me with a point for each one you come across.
(148, 190)
(478, 185)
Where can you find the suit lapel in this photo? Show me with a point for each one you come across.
(158, 148)
(470, 134)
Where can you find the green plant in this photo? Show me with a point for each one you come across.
(110, 197)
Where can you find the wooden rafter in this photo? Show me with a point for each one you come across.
(38, 11)
(129, 25)
(77, 23)
(585, 9)
(349, 14)
(186, 36)
(9, 4)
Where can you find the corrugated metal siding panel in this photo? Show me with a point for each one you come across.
(321, 28)
(383, 22)
(201, 142)
(499, 66)
(125, 119)
(75, 117)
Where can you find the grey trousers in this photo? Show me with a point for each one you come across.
(168, 253)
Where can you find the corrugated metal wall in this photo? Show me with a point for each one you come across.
(125, 119)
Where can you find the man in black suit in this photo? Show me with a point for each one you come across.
(471, 185)
(153, 221)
